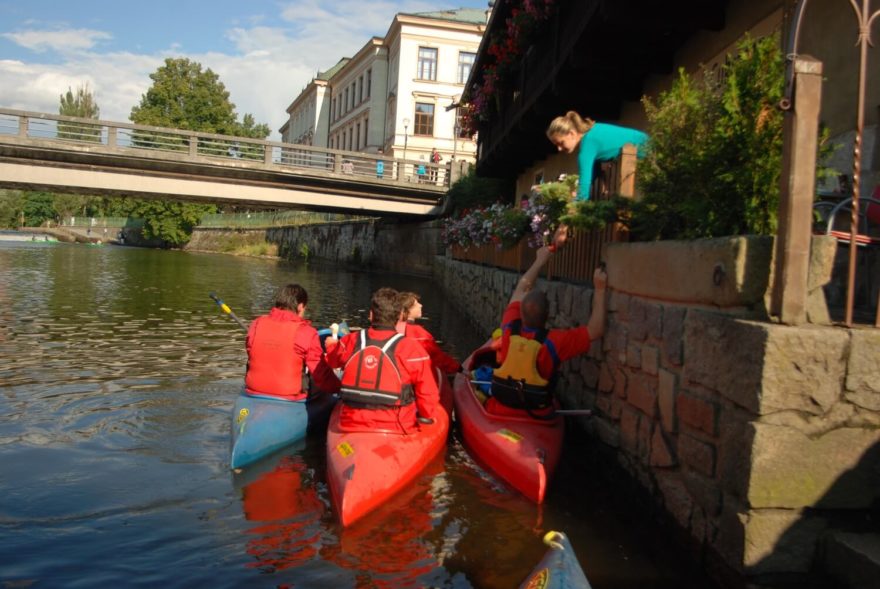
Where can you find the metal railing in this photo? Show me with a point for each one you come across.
(146, 141)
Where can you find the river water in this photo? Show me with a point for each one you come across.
(117, 377)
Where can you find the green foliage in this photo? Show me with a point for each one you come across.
(183, 96)
(304, 251)
(11, 208)
(716, 151)
(79, 104)
(38, 208)
(170, 221)
(474, 191)
(596, 214)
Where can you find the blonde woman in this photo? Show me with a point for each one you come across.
(593, 142)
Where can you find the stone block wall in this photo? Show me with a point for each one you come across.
(755, 438)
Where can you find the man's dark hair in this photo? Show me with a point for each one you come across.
(534, 309)
(385, 307)
(290, 296)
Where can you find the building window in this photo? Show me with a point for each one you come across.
(465, 63)
(424, 124)
(361, 89)
(366, 137)
(427, 63)
(346, 100)
(358, 143)
(344, 135)
(333, 108)
(369, 81)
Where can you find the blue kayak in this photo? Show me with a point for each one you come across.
(262, 425)
(559, 569)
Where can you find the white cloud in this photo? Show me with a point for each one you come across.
(61, 41)
(267, 70)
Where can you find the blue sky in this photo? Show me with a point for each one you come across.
(265, 51)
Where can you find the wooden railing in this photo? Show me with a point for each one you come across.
(584, 250)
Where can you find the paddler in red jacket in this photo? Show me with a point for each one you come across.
(280, 345)
(411, 309)
(387, 381)
(529, 354)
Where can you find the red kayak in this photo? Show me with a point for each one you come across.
(365, 469)
(520, 450)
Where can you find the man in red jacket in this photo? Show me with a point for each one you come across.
(529, 354)
(280, 345)
(387, 382)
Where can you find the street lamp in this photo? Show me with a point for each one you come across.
(405, 135)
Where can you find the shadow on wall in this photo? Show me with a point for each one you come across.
(834, 536)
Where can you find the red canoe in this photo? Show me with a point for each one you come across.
(521, 451)
(365, 469)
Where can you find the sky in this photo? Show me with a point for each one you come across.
(264, 51)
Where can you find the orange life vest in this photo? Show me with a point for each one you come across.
(371, 378)
(274, 368)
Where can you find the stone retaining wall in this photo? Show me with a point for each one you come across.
(756, 438)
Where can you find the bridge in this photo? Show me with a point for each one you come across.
(41, 151)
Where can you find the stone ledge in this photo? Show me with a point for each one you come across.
(728, 272)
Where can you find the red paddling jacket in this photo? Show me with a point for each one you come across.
(279, 346)
(414, 367)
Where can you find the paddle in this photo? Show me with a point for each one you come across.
(225, 308)
(587, 412)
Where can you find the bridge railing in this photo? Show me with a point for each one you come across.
(196, 146)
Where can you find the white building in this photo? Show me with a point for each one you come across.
(396, 92)
(309, 113)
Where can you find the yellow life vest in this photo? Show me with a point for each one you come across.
(517, 382)
(521, 363)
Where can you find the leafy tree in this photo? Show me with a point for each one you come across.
(79, 104)
(171, 221)
(716, 150)
(11, 208)
(38, 208)
(183, 96)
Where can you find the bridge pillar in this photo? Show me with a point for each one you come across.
(22, 126)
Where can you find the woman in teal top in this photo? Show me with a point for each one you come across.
(594, 142)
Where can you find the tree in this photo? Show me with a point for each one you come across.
(11, 208)
(716, 150)
(183, 96)
(80, 104)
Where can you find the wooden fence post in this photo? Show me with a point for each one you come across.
(626, 181)
(797, 192)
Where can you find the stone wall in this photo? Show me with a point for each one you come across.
(399, 247)
(755, 438)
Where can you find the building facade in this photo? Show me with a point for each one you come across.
(309, 114)
(398, 94)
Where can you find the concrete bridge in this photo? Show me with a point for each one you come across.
(42, 151)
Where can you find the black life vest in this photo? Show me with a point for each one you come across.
(371, 378)
(517, 382)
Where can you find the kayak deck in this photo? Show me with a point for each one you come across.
(366, 468)
(521, 451)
